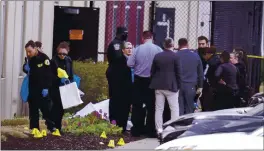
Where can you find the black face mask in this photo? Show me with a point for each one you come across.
(124, 36)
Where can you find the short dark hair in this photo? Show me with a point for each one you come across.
(201, 51)
(225, 56)
(147, 35)
(38, 44)
(202, 38)
(210, 50)
(30, 43)
(168, 43)
(182, 42)
(64, 45)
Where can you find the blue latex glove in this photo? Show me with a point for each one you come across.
(45, 92)
(63, 80)
(196, 106)
(26, 67)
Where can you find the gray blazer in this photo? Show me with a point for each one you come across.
(165, 71)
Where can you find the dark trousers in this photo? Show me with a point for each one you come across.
(119, 100)
(57, 110)
(143, 95)
(208, 98)
(226, 98)
(36, 102)
(186, 98)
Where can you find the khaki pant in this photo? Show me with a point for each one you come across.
(173, 102)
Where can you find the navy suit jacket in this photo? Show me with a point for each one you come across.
(165, 72)
(191, 67)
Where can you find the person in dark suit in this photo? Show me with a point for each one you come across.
(208, 93)
(191, 77)
(119, 78)
(165, 80)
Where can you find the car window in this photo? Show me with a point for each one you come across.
(257, 110)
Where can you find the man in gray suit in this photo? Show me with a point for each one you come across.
(165, 80)
(191, 77)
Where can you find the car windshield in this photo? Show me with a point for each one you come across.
(257, 110)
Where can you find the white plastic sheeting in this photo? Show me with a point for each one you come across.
(104, 106)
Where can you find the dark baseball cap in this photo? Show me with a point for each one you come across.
(121, 30)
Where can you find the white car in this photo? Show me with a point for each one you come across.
(218, 141)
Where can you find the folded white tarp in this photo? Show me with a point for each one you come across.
(89, 108)
(103, 106)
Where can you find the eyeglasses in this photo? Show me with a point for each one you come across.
(128, 48)
(62, 54)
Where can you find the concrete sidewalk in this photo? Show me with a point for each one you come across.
(148, 143)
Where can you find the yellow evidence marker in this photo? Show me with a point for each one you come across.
(121, 142)
(44, 132)
(38, 134)
(103, 135)
(34, 131)
(111, 143)
(56, 133)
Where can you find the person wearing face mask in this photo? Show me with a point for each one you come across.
(116, 67)
(63, 61)
(40, 75)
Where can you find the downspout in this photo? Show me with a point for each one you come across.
(212, 22)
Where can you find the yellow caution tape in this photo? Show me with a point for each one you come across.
(249, 56)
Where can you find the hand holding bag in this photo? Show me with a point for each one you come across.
(70, 96)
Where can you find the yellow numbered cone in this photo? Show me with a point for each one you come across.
(111, 143)
(44, 132)
(38, 134)
(34, 131)
(121, 142)
(56, 133)
(103, 135)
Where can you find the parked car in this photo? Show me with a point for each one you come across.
(199, 124)
(220, 141)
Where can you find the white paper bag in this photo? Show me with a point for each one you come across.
(70, 95)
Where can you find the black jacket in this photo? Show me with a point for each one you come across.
(242, 78)
(40, 74)
(228, 73)
(65, 64)
(213, 63)
(165, 72)
(114, 53)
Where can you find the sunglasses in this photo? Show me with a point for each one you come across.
(129, 48)
(62, 54)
